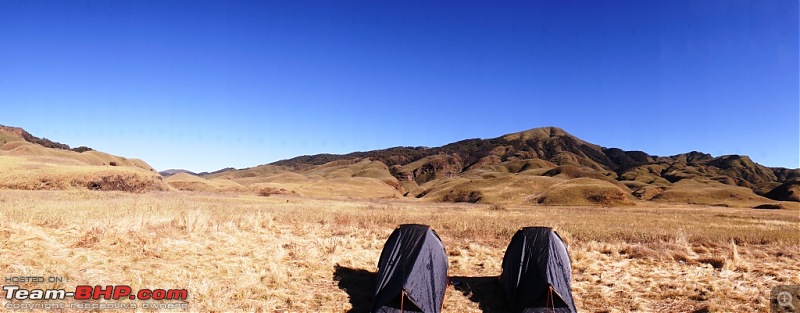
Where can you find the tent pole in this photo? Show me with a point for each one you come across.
(402, 296)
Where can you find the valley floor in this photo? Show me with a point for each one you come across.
(276, 253)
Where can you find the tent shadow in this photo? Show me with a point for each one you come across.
(484, 290)
(359, 284)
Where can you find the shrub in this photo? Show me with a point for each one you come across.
(82, 149)
(268, 191)
(463, 196)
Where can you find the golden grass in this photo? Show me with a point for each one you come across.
(338, 179)
(184, 181)
(344, 187)
(261, 170)
(32, 167)
(251, 253)
(584, 191)
(508, 189)
(37, 153)
(6, 137)
(710, 193)
(537, 166)
(32, 173)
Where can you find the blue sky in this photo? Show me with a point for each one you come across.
(204, 85)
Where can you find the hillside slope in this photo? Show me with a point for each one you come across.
(28, 162)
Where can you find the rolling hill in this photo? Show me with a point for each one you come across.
(32, 163)
(541, 166)
(538, 166)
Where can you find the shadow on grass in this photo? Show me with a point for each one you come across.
(359, 284)
(485, 290)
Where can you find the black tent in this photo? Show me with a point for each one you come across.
(537, 272)
(412, 271)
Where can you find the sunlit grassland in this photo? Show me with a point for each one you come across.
(254, 253)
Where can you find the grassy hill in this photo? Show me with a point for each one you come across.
(31, 163)
(356, 178)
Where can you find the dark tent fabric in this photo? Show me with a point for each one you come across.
(537, 272)
(412, 271)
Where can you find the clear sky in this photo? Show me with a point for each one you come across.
(203, 85)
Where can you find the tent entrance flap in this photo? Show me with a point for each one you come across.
(412, 271)
(537, 271)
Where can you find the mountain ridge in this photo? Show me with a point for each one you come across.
(559, 153)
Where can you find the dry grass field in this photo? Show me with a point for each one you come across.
(28, 166)
(288, 253)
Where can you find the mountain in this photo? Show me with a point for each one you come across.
(538, 166)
